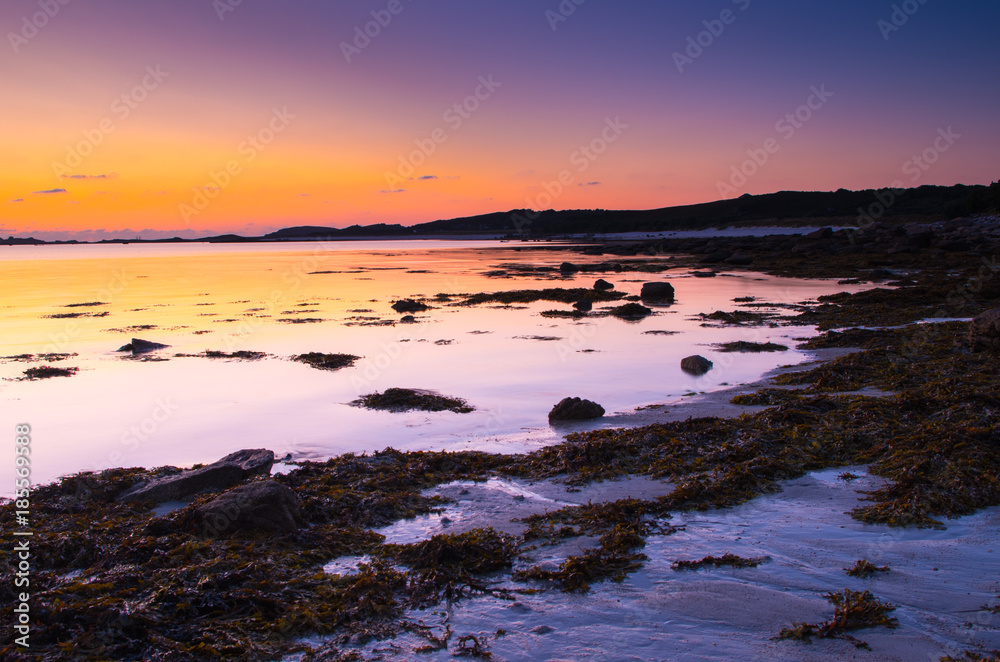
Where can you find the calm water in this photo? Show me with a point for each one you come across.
(118, 412)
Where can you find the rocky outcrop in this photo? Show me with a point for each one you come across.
(263, 506)
(661, 292)
(220, 475)
(584, 305)
(575, 409)
(603, 285)
(409, 306)
(139, 346)
(984, 331)
(696, 365)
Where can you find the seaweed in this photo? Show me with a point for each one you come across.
(739, 318)
(406, 399)
(863, 569)
(614, 559)
(970, 656)
(750, 347)
(241, 355)
(557, 294)
(47, 372)
(630, 311)
(853, 610)
(326, 361)
(726, 560)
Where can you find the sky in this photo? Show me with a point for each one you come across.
(197, 117)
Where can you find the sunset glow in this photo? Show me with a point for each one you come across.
(195, 118)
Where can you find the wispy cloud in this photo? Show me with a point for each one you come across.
(50, 191)
(426, 177)
(111, 176)
(589, 184)
(18, 200)
(398, 190)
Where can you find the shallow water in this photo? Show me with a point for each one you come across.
(198, 297)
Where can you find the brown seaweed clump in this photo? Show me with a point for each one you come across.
(326, 361)
(406, 399)
(864, 569)
(726, 560)
(853, 610)
(47, 372)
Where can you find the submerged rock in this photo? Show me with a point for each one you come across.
(409, 306)
(575, 409)
(657, 292)
(139, 346)
(696, 365)
(603, 285)
(568, 267)
(984, 331)
(219, 475)
(261, 506)
(584, 305)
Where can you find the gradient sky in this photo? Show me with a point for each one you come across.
(95, 145)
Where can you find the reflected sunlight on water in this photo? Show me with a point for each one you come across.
(197, 297)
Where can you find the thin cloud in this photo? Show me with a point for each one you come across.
(398, 190)
(426, 177)
(18, 200)
(589, 184)
(88, 176)
(50, 191)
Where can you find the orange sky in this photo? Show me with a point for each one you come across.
(127, 126)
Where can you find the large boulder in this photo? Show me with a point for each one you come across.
(657, 292)
(261, 506)
(139, 346)
(984, 331)
(575, 409)
(220, 475)
(696, 365)
(584, 305)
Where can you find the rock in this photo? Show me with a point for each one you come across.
(657, 292)
(543, 629)
(696, 365)
(409, 306)
(631, 311)
(984, 331)
(261, 506)
(822, 233)
(584, 305)
(408, 319)
(575, 409)
(955, 246)
(219, 475)
(603, 285)
(139, 346)
(703, 274)
(568, 267)
(739, 259)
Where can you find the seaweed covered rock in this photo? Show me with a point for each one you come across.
(575, 409)
(228, 471)
(630, 311)
(696, 365)
(984, 331)
(261, 506)
(584, 305)
(409, 306)
(657, 292)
